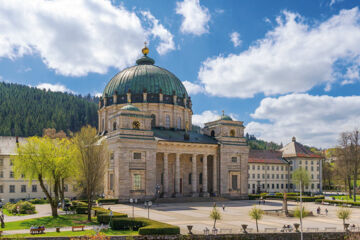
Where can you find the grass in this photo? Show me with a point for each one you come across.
(50, 222)
(73, 234)
(7, 213)
(346, 198)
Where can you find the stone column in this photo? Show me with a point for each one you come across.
(205, 177)
(215, 174)
(194, 177)
(177, 175)
(166, 175)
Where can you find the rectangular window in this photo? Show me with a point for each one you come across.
(277, 168)
(277, 176)
(234, 159)
(286, 185)
(268, 176)
(268, 186)
(12, 188)
(282, 168)
(272, 168)
(258, 176)
(268, 167)
(1, 189)
(312, 186)
(263, 167)
(312, 168)
(137, 182)
(263, 176)
(11, 174)
(234, 182)
(306, 162)
(249, 186)
(291, 185)
(258, 167)
(312, 162)
(34, 188)
(23, 188)
(282, 186)
(272, 176)
(282, 176)
(263, 186)
(111, 180)
(253, 185)
(253, 176)
(253, 167)
(306, 168)
(1, 174)
(1, 162)
(277, 186)
(137, 155)
(291, 168)
(272, 186)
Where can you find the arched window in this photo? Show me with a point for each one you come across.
(167, 121)
(212, 133)
(232, 133)
(153, 120)
(114, 126)
(136, 125)
(178, 125)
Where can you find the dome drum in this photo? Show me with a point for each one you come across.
(150, 98)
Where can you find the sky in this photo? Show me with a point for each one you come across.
(285, 68)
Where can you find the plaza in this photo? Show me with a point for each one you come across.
(236, 214)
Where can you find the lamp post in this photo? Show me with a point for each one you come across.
(301, 225)
(148, 204)
(133, 201)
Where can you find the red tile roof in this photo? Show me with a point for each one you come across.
(265, 156)
(296, 149)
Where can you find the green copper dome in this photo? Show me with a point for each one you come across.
(225, 117)
(145, 76)
(130, 107)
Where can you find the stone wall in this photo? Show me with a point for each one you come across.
(250, 236)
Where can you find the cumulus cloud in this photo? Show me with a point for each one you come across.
(54, 87)
(235, 39)
(158, 30)
(293, 57)
(204, 117)
(314, 120)
(76, 37)
(195, 17)
(192, 88)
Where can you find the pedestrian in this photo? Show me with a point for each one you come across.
(326, 211)
(223, 207)
(319, 210)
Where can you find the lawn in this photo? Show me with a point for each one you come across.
(72, 234)
(346, 198)
(50, 222)
(7, 213)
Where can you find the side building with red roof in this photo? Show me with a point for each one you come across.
(271, 170)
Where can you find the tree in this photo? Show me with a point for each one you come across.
(301, 175)
(344, 214)
(300, 214)
(256, 214)
(91, 162)
(45, 160)
(355, 158)
(215, 215)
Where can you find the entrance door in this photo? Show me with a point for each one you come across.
(234, 181)
(181, 185)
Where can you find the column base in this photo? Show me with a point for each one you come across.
(205, 194)
(178, 195)
(194, 194)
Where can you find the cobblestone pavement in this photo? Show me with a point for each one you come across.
(235, 214)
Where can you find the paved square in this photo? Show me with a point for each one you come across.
(235, 214)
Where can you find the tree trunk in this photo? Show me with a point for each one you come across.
(257, 227)
(349, 185)
(355, 179)
(89, 209)
(48, 196)
(214, 224)
(62, 192)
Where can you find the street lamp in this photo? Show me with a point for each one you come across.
(133, 201)
(147, 205)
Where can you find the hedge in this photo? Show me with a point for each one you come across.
(107, 200)
(145, 226)
(38, 201)
(338, 202)
(81, 210)
(292, 196)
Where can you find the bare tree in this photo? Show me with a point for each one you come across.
(91, 162)
(355, 158)
(345, 162)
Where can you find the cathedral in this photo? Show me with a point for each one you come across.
(145, 114)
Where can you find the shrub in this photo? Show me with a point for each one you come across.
(39, 201)
(21, 207)
(118, 223)
(81, 210)
(107, 200)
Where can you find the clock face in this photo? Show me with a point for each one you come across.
(136, 125)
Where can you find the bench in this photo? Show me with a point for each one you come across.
(77, 227)
(270, 229)
(37, 230)
(225, 231)
(312, 229)
(330, 229)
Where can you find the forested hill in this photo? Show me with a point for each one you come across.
(258, 144)
(26, 111)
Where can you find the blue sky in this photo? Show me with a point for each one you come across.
(285, 68)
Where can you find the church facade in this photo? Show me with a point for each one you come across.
(145, 114)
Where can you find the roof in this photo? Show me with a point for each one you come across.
(296, 149)
(225, 117)
(178, 136)
(145, 76)
(130, 107)
(8, 145)
(265, 156)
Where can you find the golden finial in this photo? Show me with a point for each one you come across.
(145, 50)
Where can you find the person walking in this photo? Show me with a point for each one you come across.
(223, 207)
(326, 211)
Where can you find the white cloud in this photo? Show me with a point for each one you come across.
(158, 30)
(235, 39)
(332, 2)
(204, 117)
(293, 57)
(195, 17)
(314, 120)
(193, 88)
(98, 94)
(75, 37)
(54, 87)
